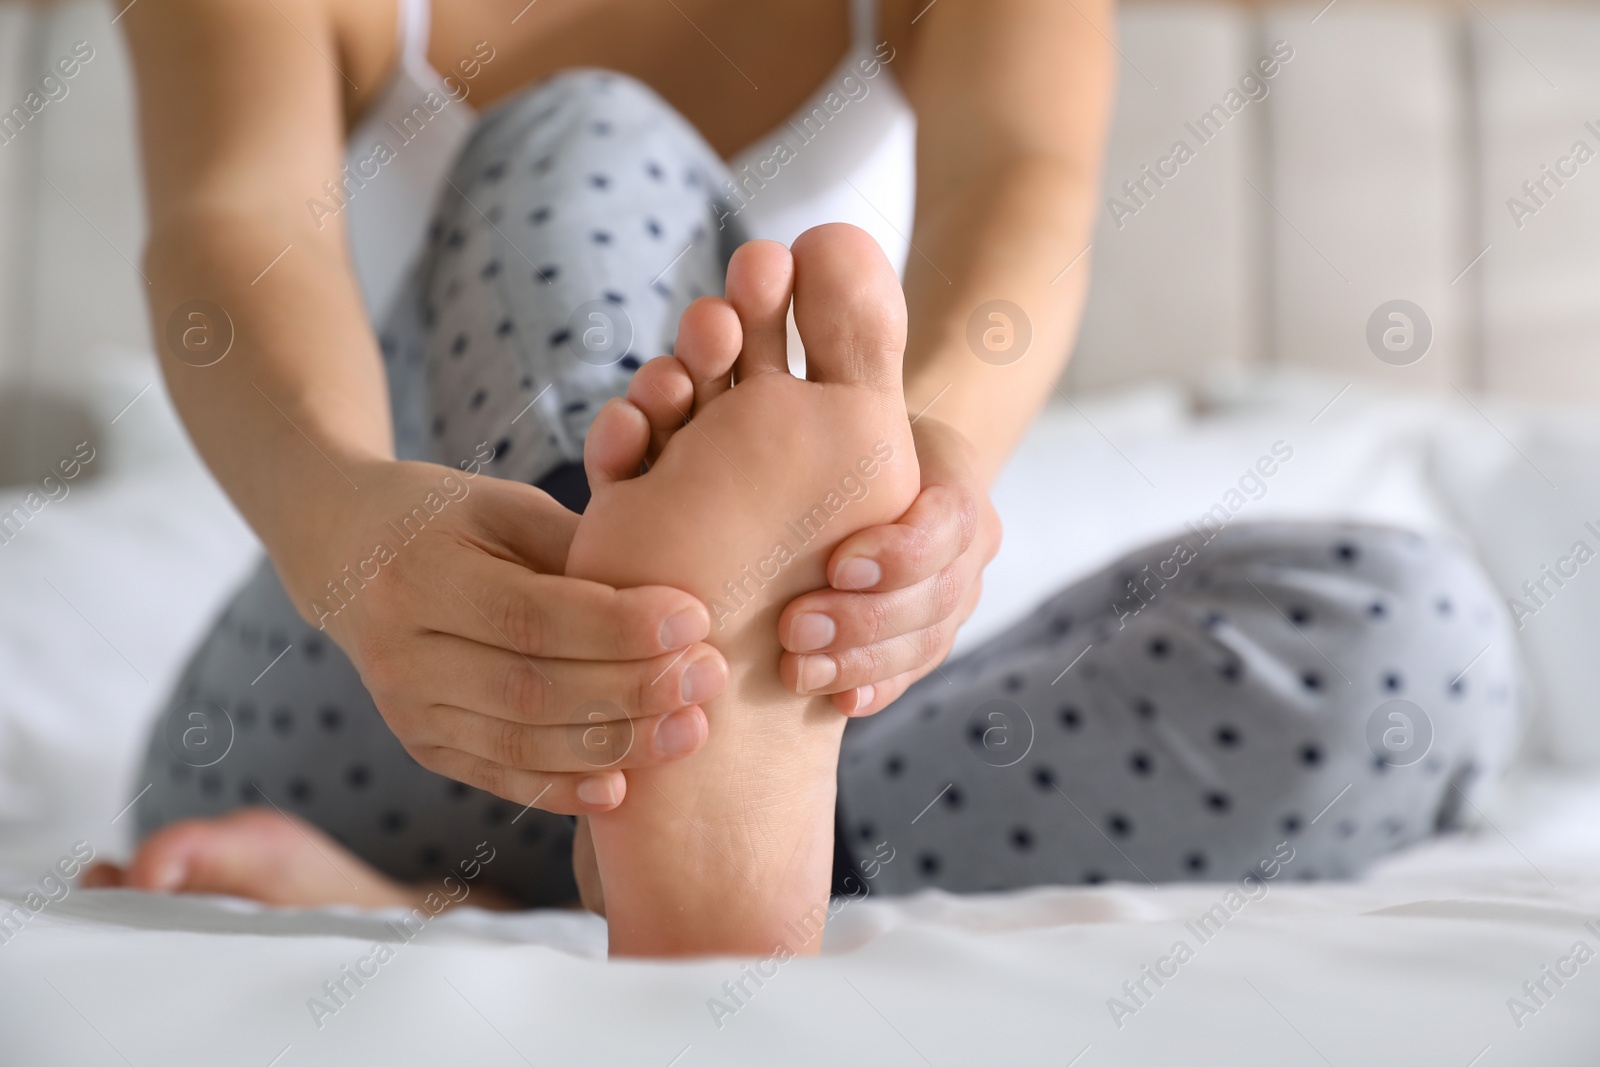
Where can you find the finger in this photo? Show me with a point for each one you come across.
(663, 391)
(938, 529)
(835, 672)
(760, 284)
(552, 692)
(580, 747)
(709, 339)
(563, 794)
(827, 619)
(503, 604)
(870, 699)
(877, 666)
(617, 442)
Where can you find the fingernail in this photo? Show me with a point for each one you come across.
(702, 681)
(857, 572)
(678, 734)
(811, 631)
(169, 875)
(864, 697)
(684, 628)
(597, 790)
(816, 672)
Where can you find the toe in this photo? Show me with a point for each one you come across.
(761, 278)
(848, 307)
(617, 442)
(263, 855)
(102, 876)
(165, 862)
(709, 338)
(663, 391)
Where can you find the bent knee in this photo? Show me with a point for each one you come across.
(578, 118)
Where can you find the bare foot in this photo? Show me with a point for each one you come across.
(266, 856)
(730, 849)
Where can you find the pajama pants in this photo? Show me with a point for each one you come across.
(1182, 714)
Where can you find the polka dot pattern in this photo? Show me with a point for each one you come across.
(1199, 731)
(588, 188)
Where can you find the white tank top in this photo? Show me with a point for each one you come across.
(848, 155)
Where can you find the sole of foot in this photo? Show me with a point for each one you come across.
(754, 478)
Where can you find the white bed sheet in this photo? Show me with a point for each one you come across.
(1413, 964)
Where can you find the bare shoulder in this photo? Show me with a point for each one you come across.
(244, 104)
(1029, 72)
(1030, 30)
(348, 44)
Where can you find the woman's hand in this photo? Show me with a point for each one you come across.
(899, 592)
(445, 589)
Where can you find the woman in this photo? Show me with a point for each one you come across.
(1202, 729)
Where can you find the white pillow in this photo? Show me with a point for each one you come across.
(1099, 478)
(1529, 499)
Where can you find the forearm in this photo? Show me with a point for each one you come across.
(1012, 99)
(1009, 236)
(240, 122)
(298, 401)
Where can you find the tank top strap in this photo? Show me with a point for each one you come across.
(414, 29)
(864, 24)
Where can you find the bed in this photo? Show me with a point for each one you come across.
(1218, 324)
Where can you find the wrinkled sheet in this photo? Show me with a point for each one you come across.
(1418, 963)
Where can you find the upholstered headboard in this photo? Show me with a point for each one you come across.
(1385, 161)
(71, 226)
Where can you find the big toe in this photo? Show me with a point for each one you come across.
(848, 307)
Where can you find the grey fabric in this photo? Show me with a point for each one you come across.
(582, 209)
(1218, 712)
(1186, 711)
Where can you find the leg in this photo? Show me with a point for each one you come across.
(303, 738)
(729, 851)
(587, 189)
(577, 226)
(1219, 702)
